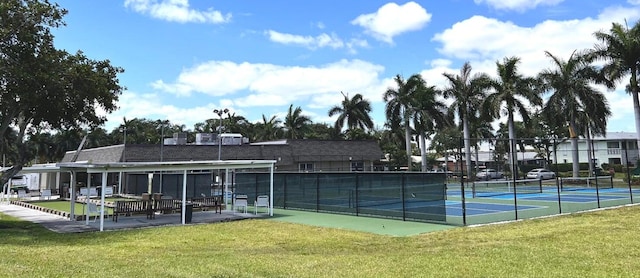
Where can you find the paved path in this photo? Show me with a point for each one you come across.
(61, 224)
(50, 221)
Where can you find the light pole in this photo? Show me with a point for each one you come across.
(220, 112)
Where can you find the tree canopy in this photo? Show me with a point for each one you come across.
(43, 88)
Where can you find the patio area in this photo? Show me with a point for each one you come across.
(61, 224)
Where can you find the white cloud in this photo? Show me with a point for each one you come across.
(176, 10)
(215, 78)
(151, 106)
(322, 40)
(483, 41)
(271, 85)
(518, 5)
(391, 20)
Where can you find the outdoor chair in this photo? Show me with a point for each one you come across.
(261, 201)
(22, 194)
(93, 209)
(240, 201)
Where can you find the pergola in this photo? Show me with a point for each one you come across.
(149, 167)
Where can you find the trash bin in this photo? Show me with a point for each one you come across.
(188, 212)
(597, 171)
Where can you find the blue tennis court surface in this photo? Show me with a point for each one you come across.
(454, 208)
(577, 198)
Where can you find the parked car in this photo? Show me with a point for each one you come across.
(488, 174)
(541, 173)
(15, 188)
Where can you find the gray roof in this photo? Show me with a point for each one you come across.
(102, 154)
(617, 136)
(288, 153)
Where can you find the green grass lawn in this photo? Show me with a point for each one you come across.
(596, 244)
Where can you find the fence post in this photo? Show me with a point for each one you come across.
(558, 180)
(464, 207)
(514, 176)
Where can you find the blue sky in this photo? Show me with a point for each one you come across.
(182, 58)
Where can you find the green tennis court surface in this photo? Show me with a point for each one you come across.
(363, 224)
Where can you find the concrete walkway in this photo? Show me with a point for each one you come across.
(50, 221)
(61, 224)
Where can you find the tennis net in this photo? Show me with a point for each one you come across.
(504, 187)
(586, 183)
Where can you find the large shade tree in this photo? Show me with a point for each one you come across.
(574, 98)
(467, 92)
(43, 88)
(512, 94)
(620, 50)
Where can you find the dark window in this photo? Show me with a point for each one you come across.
(613, 145)
(305, 167)
(357, 166)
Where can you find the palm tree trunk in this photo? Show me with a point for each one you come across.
(589, 152)
(446, 163)
(467, 147)
(574, 149)
(423, 152)
(407, 136)
(477, 151)
(512, 141)
(636, 111)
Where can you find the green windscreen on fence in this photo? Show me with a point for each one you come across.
(400, 195)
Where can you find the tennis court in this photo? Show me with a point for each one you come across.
(454, 208)
(576, 198)
(427, 197)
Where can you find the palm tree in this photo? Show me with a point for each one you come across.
(467, 92)
(295, 123)
(620, 49)
(268, 129)
(514, 92)
(391, 141)
(480, 130)
(429, 114)
(399, 106)
(354, 111)
(573, 95)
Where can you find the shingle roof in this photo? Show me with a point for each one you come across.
(102, 154)
(288, 153)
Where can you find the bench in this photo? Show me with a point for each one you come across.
(167, 205)
(132, 207)
(205, 203)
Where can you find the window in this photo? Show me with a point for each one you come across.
(357, 166)
(305, 167)
(613, 145)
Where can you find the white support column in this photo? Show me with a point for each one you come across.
(120, 183)
(72, 195)
(226, 189)
(184, 196)
(104, 185)
(58, 184)
(271, 190)
(87, 199)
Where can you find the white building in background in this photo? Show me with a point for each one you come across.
(615, 148)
